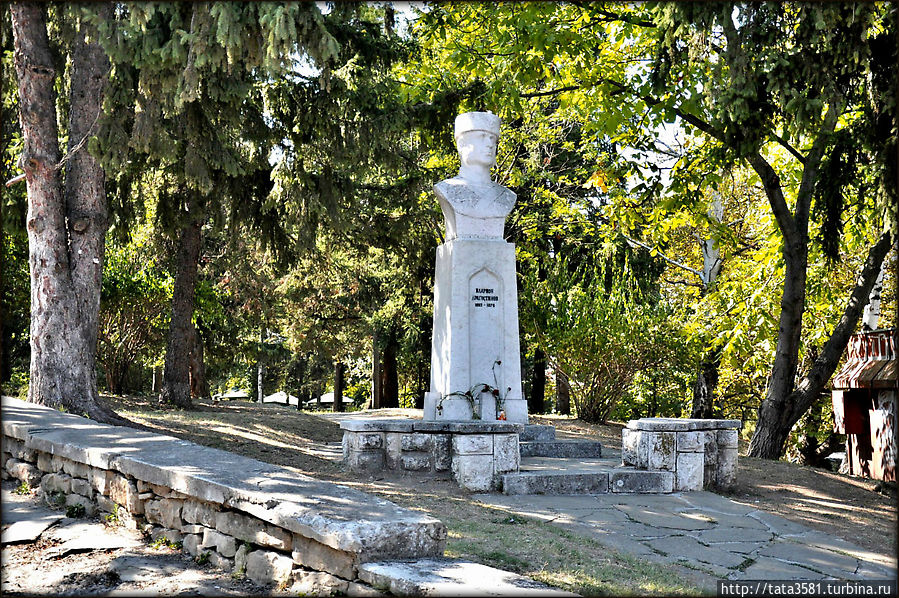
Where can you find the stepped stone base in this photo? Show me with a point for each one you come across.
(477, 453)
(538, 482)
(537, 433)
(601, 481)
(561, 448)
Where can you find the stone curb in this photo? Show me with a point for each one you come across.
(341, 518)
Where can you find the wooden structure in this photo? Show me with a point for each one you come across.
(864, 395)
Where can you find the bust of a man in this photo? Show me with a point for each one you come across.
(473, 205)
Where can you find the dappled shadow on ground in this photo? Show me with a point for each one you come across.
(270, 433)
(845, 506)
(841, 505)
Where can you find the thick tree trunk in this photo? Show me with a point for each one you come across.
(538, 383)
(563, 394)
(375, 373)
(778, 413)
(390, 387)
(338, 386)
(772, 427)
(176, 377)
(66, 230)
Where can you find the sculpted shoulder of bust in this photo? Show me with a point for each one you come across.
(473, 205)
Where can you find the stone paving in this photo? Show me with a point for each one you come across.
(707, 536)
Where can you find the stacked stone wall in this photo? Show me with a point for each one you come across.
(294, 555)
(699, 453)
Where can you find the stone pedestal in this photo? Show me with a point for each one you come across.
(475, 340)
(702, 453)
(477, 453)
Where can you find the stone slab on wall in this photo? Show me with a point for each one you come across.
(212, 500)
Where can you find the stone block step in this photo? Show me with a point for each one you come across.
(540, 482)
(537, 433)
(589, 476)
(560, 448)
(445, 577)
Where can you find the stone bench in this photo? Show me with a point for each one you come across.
(477, 453)
(702, 453)
(250, 516)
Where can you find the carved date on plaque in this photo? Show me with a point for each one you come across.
(484, 297)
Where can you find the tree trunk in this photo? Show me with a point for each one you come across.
(3, 357)
(563, 394)
(389, 379)
(871, 313)
(538, 383)
(155, 384)
(707, 377)
(778, 413)
(199, 386)
(375, 373)
(773, 427)
(66, 228)
(338, 386)
(302, 395)
(176, 377)
(259, 367)
(704, 387)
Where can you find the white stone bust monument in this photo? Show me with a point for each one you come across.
(473, 205)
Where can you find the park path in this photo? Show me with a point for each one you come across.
(708, 537)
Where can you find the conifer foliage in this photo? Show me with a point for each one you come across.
(190, 133)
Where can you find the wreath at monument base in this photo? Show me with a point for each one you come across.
(473, 396)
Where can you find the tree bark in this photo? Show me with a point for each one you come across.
(777, 415)
(704, 387)
(563, 394)
(338, 386)
(199, 385)
(66, 228)
(176, 377)
(538, 383)
(375, 372)
(390, 380)
(3, 357)
(259, 366)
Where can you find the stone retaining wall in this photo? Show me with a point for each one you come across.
(477, 453)
(272, 525)
(702, 453)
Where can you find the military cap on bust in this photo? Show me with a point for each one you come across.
(477, 121)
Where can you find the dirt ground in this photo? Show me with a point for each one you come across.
(842, 505)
